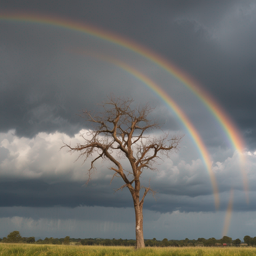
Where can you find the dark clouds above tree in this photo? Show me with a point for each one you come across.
(214, 43)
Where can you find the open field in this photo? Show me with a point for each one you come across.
(69, 250)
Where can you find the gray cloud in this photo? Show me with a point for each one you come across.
(35, 172)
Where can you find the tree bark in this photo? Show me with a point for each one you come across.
(139, 225)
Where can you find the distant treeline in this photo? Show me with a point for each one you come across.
(15, 237)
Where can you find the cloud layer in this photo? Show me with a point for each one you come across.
(36, 168)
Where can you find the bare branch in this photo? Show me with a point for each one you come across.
(114, 175)
(129, 185)
(122, 187)
(149, 152)
(147, 189)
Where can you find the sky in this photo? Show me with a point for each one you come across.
(49, 74)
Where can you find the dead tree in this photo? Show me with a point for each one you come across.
(123, 130)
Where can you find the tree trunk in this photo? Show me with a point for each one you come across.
(139, 226)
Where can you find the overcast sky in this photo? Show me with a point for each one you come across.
(47, 80)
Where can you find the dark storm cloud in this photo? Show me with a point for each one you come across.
(185, 197)
(215, 44)
(73, 194)
(37, 92)
(212, 41)
(45, 88)
(68, 194)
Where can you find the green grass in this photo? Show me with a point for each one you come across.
(70, 250)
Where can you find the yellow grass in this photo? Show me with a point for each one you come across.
(70, 250)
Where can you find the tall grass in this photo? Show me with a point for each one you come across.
(69, 250)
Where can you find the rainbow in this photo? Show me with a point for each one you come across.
(228, 213)
(193, 86)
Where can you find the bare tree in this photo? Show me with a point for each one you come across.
(123, 131)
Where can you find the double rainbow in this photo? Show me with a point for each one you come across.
(214, 108)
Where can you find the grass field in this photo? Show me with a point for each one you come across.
(69, 250)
